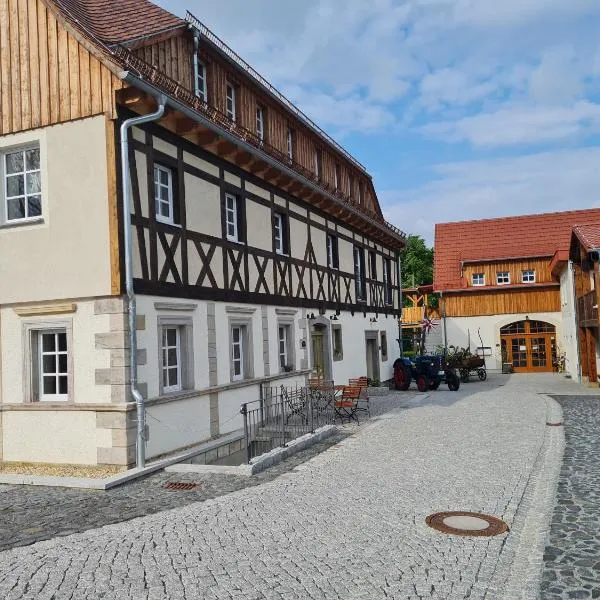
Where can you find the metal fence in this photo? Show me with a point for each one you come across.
(283, 414)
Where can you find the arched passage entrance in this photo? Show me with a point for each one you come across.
(529, 345)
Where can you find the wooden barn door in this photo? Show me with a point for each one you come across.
(529, 345)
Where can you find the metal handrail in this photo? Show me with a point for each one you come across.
(152, 74)
(221, 45)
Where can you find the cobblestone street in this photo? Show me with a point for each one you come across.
(572, 558)
(348, 523)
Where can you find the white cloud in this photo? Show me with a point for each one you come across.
(559, 76)
(545, 182)
(520, 125)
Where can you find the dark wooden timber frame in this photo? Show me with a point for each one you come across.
(317, 286)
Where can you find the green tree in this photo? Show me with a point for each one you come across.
(417, 262)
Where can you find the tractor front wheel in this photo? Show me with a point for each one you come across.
(453, 382)
(402, 376)
(422, 383)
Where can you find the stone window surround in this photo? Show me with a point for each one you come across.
(185, 324)
(340, 355)
(243, 318)
(29, 328)
(291, 342)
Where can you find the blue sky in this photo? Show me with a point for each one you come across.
(459, 109)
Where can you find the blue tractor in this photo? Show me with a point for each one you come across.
(427, 371)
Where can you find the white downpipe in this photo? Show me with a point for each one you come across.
(140, 454)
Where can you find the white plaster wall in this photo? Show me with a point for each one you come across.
(203, 205)
(51, 437)
(85, 357)
(74, 236)
(177, 424)
(460, 329)
(259, 227)
(569, 322)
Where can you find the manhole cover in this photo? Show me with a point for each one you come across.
(466, 523)
(180, 485)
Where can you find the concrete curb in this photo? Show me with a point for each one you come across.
(260, 463)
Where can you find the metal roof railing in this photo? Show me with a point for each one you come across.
(236, 58)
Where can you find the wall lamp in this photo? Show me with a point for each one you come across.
(373, 319)
(333, 318)
(311, 316)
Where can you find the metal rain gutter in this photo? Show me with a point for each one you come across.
(140, 455)
(152, 90)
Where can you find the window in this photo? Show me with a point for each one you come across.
(359, 273)
(373, 264)
(232, 218)
(290, 144)
(528, 276)
(285, 348)
(333, 260)
(163, 194)
(383, 344)
(280, 234)
(230, 102)
(260, 123)
(478, 279)
(387, 280)
(318, 162)
(338, 348)
(338, 176)
(238, 352)
(201, 82)
(22, 184)
(53, 362)
(171, 359)
(502, 277)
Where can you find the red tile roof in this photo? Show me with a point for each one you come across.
(498, 239)
(588, 235)
(117, 21)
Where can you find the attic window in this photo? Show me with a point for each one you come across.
(502, 277)
(478, 279)
(528, 276)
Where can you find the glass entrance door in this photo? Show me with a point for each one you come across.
(529, 345)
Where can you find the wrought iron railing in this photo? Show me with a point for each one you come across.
(282, 415)
(150, 73)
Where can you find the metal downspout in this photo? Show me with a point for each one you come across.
(445, 324)
(399, 280)
(140, 455)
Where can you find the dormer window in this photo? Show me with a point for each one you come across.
(318, 162)
(478, 279)
(260, 123)
(290, 144)
(338, 176)
(201, 82)
(230, 102)
(528, 276)
(502, 277)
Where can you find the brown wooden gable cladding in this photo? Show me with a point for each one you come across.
(46, 75)
(516, 301)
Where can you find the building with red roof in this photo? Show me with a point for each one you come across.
(507, 287)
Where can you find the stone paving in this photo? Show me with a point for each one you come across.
(349, 523)
(572, 557)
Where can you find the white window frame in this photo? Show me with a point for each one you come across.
(361, 291)
(241, 360)
(278, 233)
(231, 217)
(331, 239)
(24, 174)
(202, 92)
(166, 366)
(185, 352)
(478, 279)
(58, 397)
(260, 123)
(388, 292)
(158, 185)
(283, 345)
(230, 107)
(290, 143)
(503, 278)
(525, 276)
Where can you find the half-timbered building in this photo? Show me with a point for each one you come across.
(506, 288)
(254, 244)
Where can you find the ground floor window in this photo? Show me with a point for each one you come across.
(171, 359)
(383, 344)
(53, 381)
(175, 354)
(238, 352)
(338, 347)
(285, 349)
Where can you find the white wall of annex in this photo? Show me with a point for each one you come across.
(569, 321)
